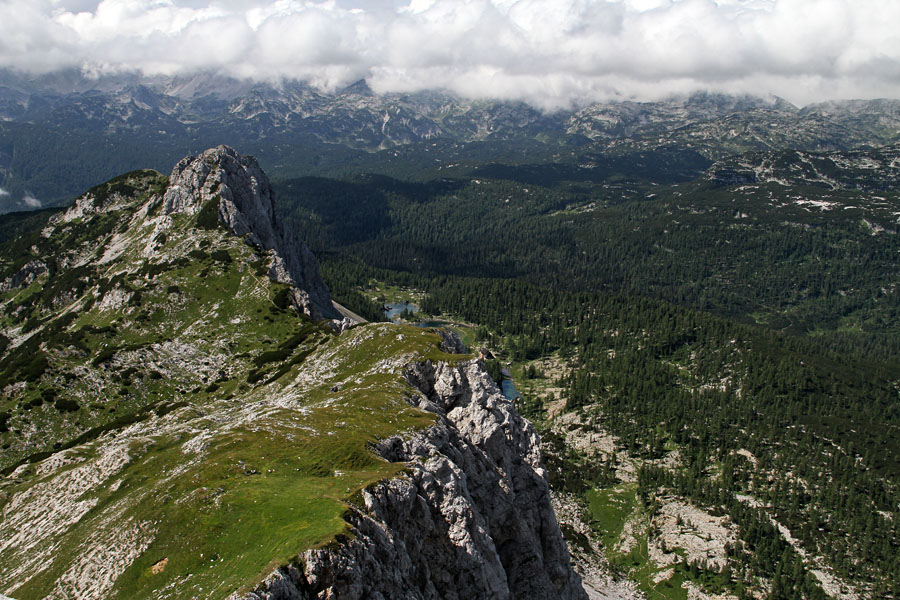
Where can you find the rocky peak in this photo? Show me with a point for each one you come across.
(358, 88)
(246, 207)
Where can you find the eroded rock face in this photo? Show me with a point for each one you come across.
(24, 276)
(246, 206)
(472, 518)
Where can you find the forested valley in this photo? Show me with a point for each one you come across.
(736, 340)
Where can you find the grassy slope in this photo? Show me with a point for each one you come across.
(247, 426)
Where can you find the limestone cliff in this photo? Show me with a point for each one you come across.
(470, 518)
(245, 204)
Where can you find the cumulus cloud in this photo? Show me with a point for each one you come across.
(30, 201)
(551, 52)
(3, 193)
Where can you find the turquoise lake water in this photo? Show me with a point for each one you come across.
(395, 308)
(509, 389)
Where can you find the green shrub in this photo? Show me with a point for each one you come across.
(282, 298)
(66, 405)
(103, 356)
(36, 367)
(151, 270)
(260, 267)
(208, 217)
(271, 356)
(31, 324)
(221, 256)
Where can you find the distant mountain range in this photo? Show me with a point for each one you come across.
(100, 127)
(698, 299)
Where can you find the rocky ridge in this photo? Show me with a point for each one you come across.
(865, 170)
(197, 432)
(471, 518)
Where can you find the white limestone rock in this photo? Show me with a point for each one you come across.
(471, 519)
(24, 276)
(246, 207)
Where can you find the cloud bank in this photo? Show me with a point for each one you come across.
(30, 201)
(549, 52)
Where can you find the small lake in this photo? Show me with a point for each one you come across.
(509, 389)
(427, 324)
(395, 308)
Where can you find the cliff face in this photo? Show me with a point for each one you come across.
(471, 517)
(245, 204)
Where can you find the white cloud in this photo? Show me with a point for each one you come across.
(30, 201)
(551, 52)
(3, 193)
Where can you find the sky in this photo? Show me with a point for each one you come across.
(551, 53)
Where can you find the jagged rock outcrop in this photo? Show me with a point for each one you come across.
(470, 519)
(24, 276)
(246, 206)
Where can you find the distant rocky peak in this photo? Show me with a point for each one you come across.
(359, 88)
(245, 206)
(241, 188)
